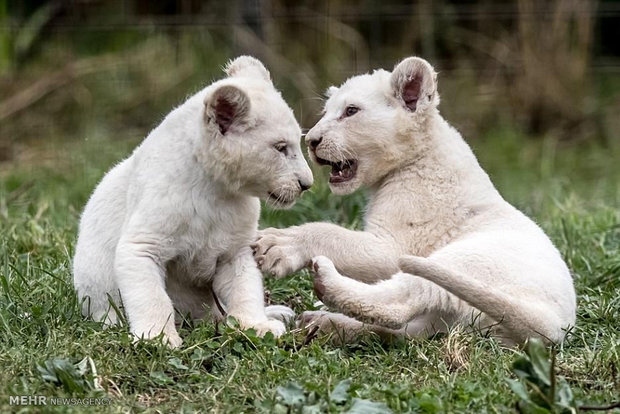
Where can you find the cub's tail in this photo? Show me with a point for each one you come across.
(522, 320)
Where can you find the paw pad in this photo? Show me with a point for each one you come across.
(315, 266)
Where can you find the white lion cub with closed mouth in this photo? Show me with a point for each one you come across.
(440, 246)
(170, 226)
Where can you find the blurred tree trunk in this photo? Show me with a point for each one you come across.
(5, 38)
(552, 87)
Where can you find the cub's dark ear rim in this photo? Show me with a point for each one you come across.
(414, 82)
(227, 106)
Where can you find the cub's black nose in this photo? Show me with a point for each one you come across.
(304, 186)
(313, 143)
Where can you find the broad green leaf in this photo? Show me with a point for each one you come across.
(531, 408)
(82, 366)
(238, 347)
(368, 407)
(430, 404)
(176, 362)
(64, 372)
(47, 372)
(540, 360)
(565, 397)
(519, 389)
(522, 368)
(292, 394)
(312, 409)
(340, 393)
(161, 378)
(280, 409)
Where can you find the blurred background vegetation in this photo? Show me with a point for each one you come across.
(82, 81)
(534, 87)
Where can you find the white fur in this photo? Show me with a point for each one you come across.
(172, 223)
(440, 245)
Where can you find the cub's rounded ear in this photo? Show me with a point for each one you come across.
(227, 106)
(414, 82)
(247, 66)
(330, 91)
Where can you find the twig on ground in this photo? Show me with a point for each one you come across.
(599, 408)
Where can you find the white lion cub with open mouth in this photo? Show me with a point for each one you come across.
(170, 226)
(466, 254)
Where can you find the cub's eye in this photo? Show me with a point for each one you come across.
(351, 110)
(280, 147)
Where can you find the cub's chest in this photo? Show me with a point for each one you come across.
(214, 237)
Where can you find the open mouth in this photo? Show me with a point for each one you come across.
(342, 171)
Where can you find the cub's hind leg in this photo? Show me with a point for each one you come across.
(346, 329)
(94, 262)
(93, 278)
(391, 303)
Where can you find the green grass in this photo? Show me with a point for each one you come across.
(573, 192)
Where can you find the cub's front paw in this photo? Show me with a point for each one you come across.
(279, 252)
(174, 341)
(171, 338)
(274, 326)
(280, 312)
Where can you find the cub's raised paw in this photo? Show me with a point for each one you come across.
(277, 251)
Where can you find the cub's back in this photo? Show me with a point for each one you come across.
(105, 211)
